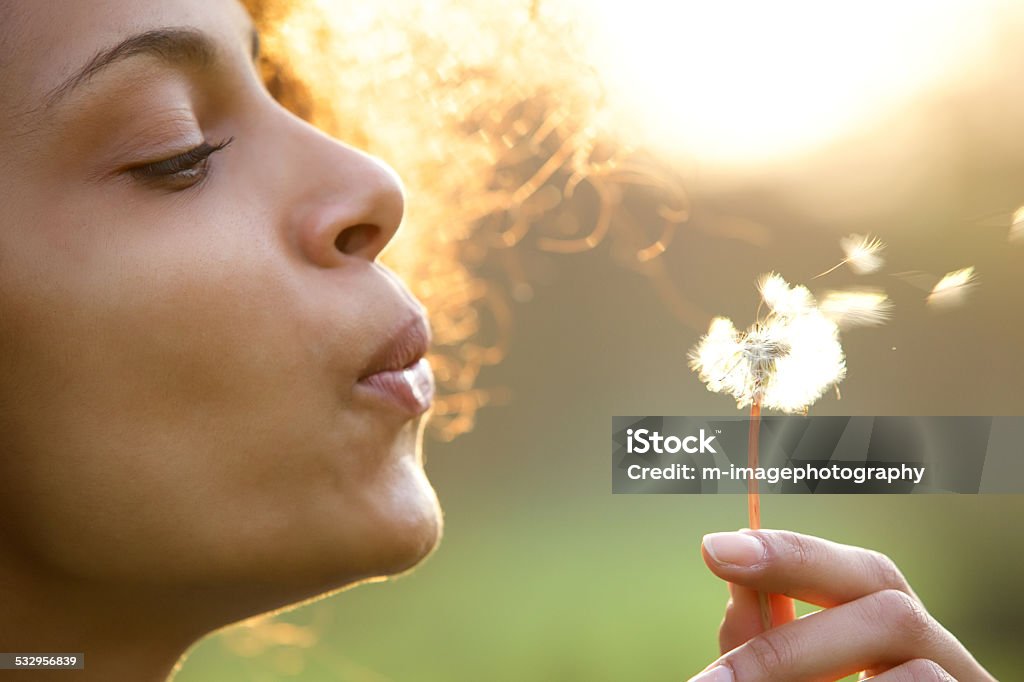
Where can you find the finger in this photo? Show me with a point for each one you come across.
(802, 566)
(917, 670)
(880, 630)
(743, 616)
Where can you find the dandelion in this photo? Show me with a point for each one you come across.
(952, 289)
(785, 361)
(856, 308)
(1017, 225)
(861, 253)
(782, 298)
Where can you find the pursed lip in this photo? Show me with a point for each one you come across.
(406, 344)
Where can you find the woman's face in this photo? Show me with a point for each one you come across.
(181, 343)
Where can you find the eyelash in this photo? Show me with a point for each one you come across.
(182, 171)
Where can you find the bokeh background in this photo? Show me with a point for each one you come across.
(588, 186)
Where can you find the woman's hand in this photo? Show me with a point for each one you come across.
(872, 620)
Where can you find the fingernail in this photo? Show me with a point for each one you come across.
(736, 549)
(719, 673)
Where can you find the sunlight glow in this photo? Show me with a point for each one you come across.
(745, 80)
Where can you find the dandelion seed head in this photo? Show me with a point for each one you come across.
(762, 346)
(718, 357)
(952, 289)
(861, 253)
(856, 307)
(782, 298)
(789, 359)
(763, 343)
(814, 363)
(722, 328)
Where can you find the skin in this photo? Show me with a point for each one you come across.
(183, 442)
(871, 622)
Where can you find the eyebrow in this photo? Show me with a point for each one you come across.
(175, 46)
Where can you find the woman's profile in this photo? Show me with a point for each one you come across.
(213, 394)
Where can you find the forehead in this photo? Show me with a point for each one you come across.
(42, 42)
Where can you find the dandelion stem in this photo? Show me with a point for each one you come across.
(754, 498)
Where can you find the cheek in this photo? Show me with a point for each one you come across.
(174, 418)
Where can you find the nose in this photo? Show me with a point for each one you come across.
(353, 207)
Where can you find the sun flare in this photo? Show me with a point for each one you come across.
(740, 81)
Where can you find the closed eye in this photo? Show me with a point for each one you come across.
(181, 171)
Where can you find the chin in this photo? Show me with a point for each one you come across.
(392, 525)
(405, 518)
(409, 522)
(390, 531)
(383, 521)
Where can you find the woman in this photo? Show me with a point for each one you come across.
(213, 394)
